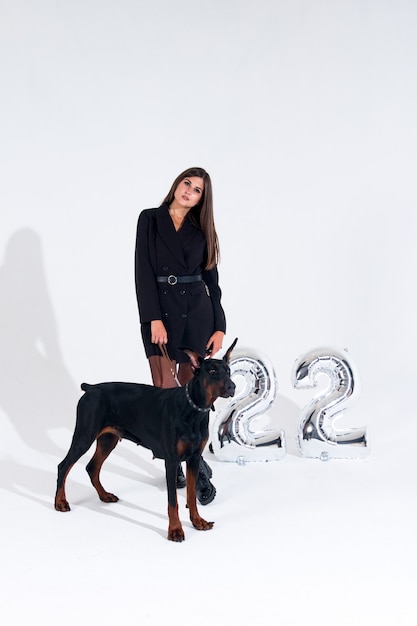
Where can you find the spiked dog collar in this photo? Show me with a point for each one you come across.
(193, 404)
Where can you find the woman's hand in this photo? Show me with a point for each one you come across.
(159, 333)
(215, 343)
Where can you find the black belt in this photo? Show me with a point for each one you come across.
(173, 280)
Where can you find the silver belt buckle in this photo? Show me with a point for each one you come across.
(172, 280)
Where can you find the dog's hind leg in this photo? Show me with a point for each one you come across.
(76, 451)
(86, 430)
(106, 442)
(61, 502)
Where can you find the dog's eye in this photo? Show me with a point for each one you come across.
(212, 371)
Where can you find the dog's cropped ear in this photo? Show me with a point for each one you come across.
(229, 351)
(194, 357)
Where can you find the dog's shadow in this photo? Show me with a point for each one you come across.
(38, 487)
(37, 392)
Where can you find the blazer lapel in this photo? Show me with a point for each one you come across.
(168, 234)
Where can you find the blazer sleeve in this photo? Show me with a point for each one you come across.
(145, 279)
(211, 278)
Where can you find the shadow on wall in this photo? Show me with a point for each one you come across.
(36, 390)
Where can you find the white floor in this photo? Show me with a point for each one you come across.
(296, 541)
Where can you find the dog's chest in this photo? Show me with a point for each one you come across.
(193, 430)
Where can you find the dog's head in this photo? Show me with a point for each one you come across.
(214, 374)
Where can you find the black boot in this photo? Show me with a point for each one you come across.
(180, 477)
(206, 491)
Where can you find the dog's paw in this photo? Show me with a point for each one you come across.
(200, 524)
(62, 505)
(108, 497)
(176, 534)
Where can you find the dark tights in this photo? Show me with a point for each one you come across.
(162, 375)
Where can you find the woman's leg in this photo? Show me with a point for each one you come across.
(206, 491)
(161, 373)
(185, 373)
(162, 376)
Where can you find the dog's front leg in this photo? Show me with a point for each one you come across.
(192, 471)
(175, 530)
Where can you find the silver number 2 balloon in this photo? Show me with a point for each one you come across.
(317, 437)
(238, 434)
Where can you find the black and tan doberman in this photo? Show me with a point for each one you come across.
(173, 423)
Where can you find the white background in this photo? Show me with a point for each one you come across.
(303, 112)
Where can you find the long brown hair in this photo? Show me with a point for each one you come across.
(202, 214)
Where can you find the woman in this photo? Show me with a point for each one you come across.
(178, 293)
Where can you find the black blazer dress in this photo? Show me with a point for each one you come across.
(191, 312)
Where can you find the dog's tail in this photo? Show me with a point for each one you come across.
(87, 387)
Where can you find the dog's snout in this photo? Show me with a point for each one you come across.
(230, 388)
